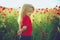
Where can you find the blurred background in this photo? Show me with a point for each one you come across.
(45, 19)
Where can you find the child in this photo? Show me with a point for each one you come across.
(25, 25)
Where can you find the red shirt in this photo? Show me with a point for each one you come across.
(27, 22)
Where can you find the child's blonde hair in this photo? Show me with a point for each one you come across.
(22, 13)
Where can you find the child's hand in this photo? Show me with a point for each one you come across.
(19, 32)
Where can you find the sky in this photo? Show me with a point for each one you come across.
(35, 3)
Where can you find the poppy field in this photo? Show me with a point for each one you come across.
(42, 20)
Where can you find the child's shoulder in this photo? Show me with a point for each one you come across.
(26, 16)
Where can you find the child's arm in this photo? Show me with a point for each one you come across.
(19, 23)
(21, 30)
(24, 28)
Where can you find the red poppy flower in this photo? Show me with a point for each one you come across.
(59, 6)
(4, 15)
(36, 11)
(45, 11)
(3, 8)
(58, 12)
(39, 9)
(10, 9)
(54, 9)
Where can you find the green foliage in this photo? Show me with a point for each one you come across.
(42, 25)
(8, 26)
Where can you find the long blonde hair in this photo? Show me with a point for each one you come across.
(22, 13)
